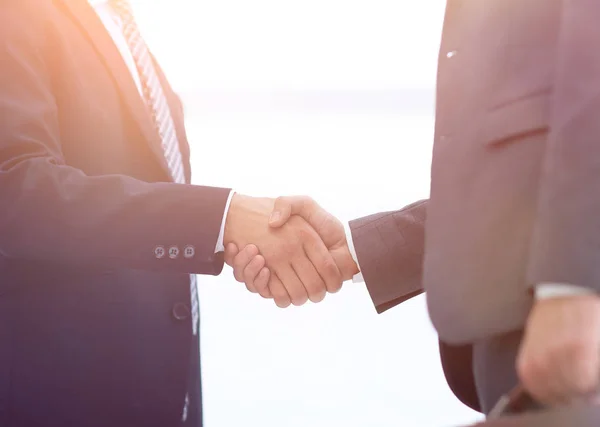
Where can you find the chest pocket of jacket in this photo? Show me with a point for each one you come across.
(497, 67)
(518, 93)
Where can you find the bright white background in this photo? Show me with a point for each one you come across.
(331, 98)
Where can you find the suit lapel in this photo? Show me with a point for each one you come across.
(90, 24)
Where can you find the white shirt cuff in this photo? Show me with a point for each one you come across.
(358, 278)
(558, 290)
(220, 246)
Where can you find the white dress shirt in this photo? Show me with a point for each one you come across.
(111, 22)
(542, 290)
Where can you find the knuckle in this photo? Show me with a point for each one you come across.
(238, 275)
(240, 264)
(332, 275)
(262, 288)
(289, 249)
(307, 201)
(259, 282)
(278, 292)
(253, 268)
(331, 270)
(305, 234)
(296, 221)
(263, 280)
(529, 369)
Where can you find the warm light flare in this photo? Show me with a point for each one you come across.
(315, 44)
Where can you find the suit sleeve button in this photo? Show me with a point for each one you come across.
(189, 252)
(159, 252)
(173, 252)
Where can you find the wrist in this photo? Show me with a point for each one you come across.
(246, 215)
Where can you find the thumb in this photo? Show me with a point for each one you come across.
(230, 252)
(284, 208)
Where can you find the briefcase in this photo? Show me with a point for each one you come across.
(518, 409)
(573, 416)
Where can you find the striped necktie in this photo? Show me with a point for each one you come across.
(153, 92)
(156, 100)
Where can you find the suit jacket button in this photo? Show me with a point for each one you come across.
(181, 311)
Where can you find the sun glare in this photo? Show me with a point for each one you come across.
(313, 44)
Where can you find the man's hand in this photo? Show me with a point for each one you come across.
(559, 359)
(249, 266)
(300, 265)
(329, 228)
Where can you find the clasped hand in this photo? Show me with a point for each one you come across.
(288, 249)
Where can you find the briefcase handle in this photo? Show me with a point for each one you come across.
(517, 401)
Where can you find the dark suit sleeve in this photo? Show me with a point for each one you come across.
(389, 247)
(53, 212)
(566, 239)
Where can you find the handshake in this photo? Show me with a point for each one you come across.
(288, 249)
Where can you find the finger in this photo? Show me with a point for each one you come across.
(581, 371)
(571, 373)
(242, 260)
(251, 272)
(324, 263)
(531, 372)
(285, 207)
(293, 285)
(230, 252)
(261, 283)
(280, 294)
(312, 281)
(545, 387)
(541, 375)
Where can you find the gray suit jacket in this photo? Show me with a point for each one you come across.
(515, 148)
(515, 152)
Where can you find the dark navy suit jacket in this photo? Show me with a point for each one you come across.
(94, 328)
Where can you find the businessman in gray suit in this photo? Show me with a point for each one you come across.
(509, 261)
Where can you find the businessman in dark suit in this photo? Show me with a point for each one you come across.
(101, 232)
(510, 257)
